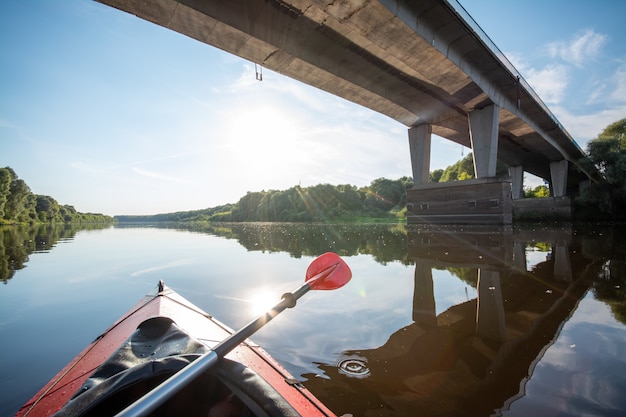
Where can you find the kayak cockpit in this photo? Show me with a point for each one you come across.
(156, 350)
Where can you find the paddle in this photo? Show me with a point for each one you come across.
(326, 272)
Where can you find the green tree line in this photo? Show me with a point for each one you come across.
(383, 198)
(18, 204)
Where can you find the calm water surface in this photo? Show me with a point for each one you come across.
(436, 321)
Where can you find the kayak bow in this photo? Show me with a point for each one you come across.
(162, 334)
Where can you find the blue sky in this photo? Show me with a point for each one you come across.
(112, 114)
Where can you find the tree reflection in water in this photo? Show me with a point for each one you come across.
(476, 357)
(481, 356)
(18, 242)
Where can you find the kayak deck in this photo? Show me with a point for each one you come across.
(157, 337)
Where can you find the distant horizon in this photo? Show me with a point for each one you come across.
(112, 114)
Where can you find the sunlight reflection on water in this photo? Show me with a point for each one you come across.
(394, 338)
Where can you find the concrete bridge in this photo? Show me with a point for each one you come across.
(426, 64)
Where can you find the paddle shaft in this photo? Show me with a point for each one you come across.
(168, 388)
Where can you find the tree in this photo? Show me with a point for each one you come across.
(607, 153)
(385, 194)
(19, 205)
(435, 176)
(539, 191)
(616, 130)
(5, 187)
(464, 170)
(47, 208)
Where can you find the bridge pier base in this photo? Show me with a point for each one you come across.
(476, 201)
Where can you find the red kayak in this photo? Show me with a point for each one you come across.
(159, 336)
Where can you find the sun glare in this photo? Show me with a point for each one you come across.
(263, 140)
(262, 301)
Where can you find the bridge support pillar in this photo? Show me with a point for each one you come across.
(519, 256)
(562, 262)
(424, 312)
(490, 316)
(558, 176)
(420, 137)
(483, 125)
(517, 181)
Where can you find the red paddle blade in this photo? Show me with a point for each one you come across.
(328, 272)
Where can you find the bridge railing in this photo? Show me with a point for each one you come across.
(473, 25)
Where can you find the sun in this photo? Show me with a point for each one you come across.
(262, 301)
(263, 140)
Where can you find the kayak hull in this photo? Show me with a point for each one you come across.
(208, 331)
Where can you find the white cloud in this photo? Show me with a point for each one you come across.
(584, 102)
(619, 92)
(587, 126)
(549, 82)
(158, 176)
(581, 48)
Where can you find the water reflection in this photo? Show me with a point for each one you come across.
(477, 356)
(383, 242)
(18, 242)
(528, 337)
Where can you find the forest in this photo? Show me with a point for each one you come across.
(383, 198)
(18, 205)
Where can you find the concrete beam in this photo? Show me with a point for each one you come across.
(558, 176)
(420, 138)
(517, 181)
(484, 138)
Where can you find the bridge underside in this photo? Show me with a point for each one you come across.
(416, 62)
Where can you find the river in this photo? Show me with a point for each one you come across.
(436, 321)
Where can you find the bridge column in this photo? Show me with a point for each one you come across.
(424, 312)
(519, 256)
(490, 315)
(419, 143)
(558, 176)
(517, 181)
(562, 262)
(484, 138)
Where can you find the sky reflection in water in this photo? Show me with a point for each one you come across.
(415, 336)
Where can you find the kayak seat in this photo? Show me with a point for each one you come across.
(156, 350)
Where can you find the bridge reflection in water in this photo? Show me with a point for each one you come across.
(476, 357)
